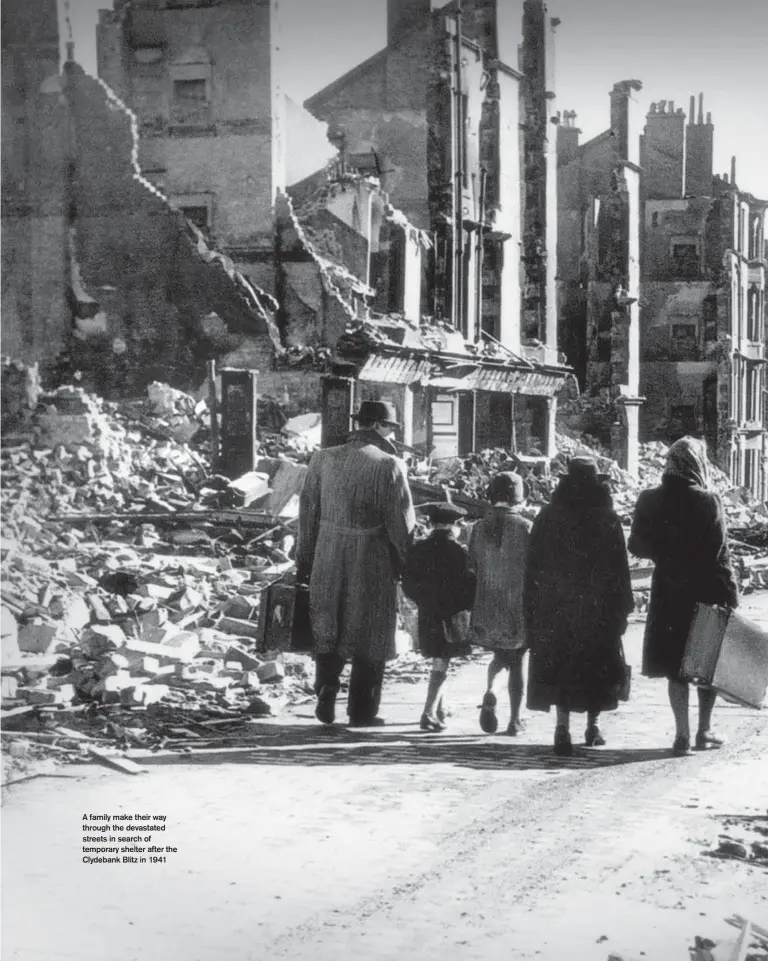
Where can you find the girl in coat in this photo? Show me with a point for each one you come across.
(498, 548)
(578, 597)
(680, 526)
(438, 580)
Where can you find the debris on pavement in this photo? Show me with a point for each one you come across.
(746, 840)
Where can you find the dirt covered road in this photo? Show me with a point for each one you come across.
(385, 844)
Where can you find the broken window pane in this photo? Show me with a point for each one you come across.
(190, 102)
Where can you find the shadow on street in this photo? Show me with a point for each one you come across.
(311, 746)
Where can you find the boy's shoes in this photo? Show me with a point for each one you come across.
(515, 727)
(489, 723)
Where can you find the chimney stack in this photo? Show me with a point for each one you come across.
(699, 155)
(664, 152)
(403, 15)
(625, 120)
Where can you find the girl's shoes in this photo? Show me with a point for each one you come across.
(489, 723)
(432, 724)
(563, 746)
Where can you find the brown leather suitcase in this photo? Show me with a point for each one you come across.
(728, 652)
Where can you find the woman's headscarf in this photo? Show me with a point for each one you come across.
(687, 458)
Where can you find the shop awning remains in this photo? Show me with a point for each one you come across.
(533, 383)
(395, 370)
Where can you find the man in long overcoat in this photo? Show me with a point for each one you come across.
(356, 520)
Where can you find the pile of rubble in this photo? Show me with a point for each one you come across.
(125, 596)
(469, 476)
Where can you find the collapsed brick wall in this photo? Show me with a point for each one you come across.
(128, 240)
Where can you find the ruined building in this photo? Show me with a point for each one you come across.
(703, 311)
(692, 322)
(599, 264)
(102, 276)
(211, 119)
(35, 309)
(453, 116)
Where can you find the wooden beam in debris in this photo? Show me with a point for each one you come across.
(231, 518)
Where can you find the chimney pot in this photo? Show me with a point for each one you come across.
(701, 108)
(692, 112)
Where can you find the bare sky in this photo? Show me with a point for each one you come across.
(675, 47)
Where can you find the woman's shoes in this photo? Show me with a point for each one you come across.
(489, 723)
(432, 724)
(563, 745)
(593, 736)
(707, 741)
(681, 746)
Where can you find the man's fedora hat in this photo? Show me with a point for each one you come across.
(378, 410)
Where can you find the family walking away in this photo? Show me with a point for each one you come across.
(558, 588)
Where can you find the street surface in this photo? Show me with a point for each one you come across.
(319, 844)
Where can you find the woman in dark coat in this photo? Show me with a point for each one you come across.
(578, 597)
(681, 527)
(438, 580)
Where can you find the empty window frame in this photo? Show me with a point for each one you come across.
(684, 342)
(683, 420)
(191, 102)
(685, 259)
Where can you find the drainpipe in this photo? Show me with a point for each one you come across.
(458, 193)
(479, 258)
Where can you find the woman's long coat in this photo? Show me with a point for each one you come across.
(356, 519)
(438, 580)
(578, 597)
(681, 528)
(498, 551)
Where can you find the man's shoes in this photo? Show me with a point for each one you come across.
(325, 711)
(593, 736)
(367, 722)
(431, 724)
(563, 746)
(488, 721)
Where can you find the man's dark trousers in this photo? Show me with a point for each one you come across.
(365, 682)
